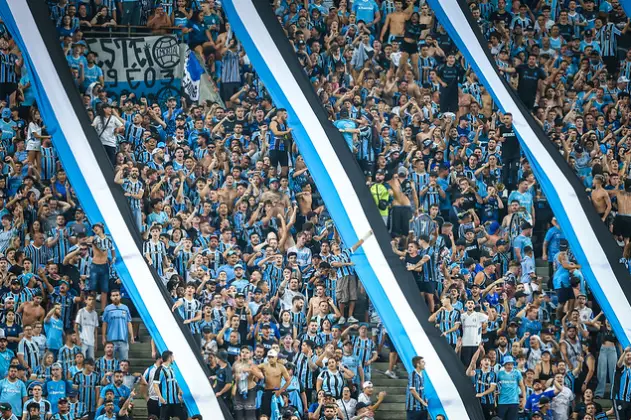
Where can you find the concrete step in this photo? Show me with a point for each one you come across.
(390, 415)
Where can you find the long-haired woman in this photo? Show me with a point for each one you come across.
(34, 138)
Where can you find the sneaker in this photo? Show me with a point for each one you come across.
(390, 374)
(352, 320)
(341, 321)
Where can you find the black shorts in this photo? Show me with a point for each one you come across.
(564, 294)
(153, 407)
(622, 226)
(426, 286)
(278, 157)
(6, 89)
(409, 47)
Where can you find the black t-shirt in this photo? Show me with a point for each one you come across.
(566, 31)
(409, 260)
(445, 43)
(504, 15)
(450, 74)
(473, 249)
(510, 147)
(224, 376)
(529, 81)
(469, 201)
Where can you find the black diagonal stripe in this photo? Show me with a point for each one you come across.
(448, 357)
(605, 238)
(51, 40)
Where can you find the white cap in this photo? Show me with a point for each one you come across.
(367, 384)
(272, 353)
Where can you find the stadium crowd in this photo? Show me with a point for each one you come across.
(236, 229)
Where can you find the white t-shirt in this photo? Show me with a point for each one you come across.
(472, 328)
(108, 138)
(363, 398)
(33, 128)
(348, 407)
(88, 322)
(586, 314)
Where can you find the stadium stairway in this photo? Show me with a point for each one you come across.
(139, 359)
(392, 408)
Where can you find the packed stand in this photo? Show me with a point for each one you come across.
(234, 224)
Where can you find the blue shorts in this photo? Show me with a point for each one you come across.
(99, 278)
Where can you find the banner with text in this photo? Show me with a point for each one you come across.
(193, 72)
(148, 66)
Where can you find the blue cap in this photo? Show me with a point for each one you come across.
(493, 227)
(6, 113)
(508, 359)
(161, 145)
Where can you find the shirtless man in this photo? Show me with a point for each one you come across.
(513, 208)
(246, 375)
(401, 212)
(600, 198)
(314, 302)
(622, 222)
(273, 372)
(100, 269)
(395, 21)
(228, 194)
(305, 201)
(32, 310)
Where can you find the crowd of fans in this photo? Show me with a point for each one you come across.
(236, 229)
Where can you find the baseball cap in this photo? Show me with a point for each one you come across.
(222, 355)
(5, 407)
(238, 266)
(272, 353)
(360, 405)
(6, 113)
(526, 225)
(544, 400)
(367, 384)
(538, 413)
(493, 227)
(520, 294)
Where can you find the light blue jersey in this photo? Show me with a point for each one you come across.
(508, 385)
(13, 393)
(117, 318)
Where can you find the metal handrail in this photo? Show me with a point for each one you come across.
(127, 31)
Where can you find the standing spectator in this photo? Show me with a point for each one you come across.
(86, 326)
(512, 392)
(168, 390)
(416, 403)
(117, 328)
